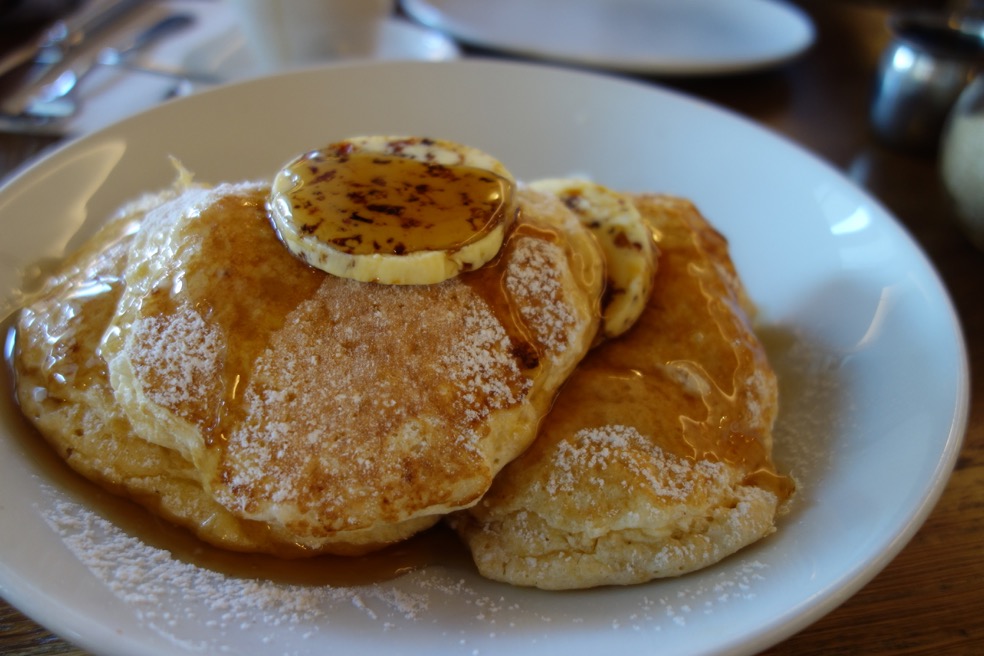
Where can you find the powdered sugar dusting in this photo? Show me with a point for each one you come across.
(591, 448)
(176, 357)
(473, 367)
(175, 598)
(533, 280)
(813, 404)
(202, 611)
(335, 435)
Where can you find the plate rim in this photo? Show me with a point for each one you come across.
(861, 573)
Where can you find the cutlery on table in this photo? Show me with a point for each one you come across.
(51, 96)
(122, 57)
(66, 35)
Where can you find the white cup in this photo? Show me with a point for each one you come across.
(285, 33)
(961, 160)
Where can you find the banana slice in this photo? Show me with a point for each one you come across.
(393, 210)
(628, 243)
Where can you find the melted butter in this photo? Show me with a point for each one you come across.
(363, 203)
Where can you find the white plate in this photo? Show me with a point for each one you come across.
(668, 37)
(871, 358)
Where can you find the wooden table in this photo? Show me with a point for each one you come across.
(930, 599)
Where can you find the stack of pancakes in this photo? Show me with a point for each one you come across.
(656, 457)
(185, 358)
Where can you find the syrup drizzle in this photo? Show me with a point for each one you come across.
(608, 363)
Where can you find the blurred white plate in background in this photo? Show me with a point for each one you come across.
(668, 37)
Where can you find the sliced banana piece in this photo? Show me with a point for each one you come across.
(626, 239)
(393, 210)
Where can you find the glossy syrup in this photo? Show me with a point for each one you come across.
(684, 375)
(437, 546)
(621, 367)
(363, 203)
(93, 290)
(239, 276)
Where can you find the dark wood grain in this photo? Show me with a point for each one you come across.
(929, 599)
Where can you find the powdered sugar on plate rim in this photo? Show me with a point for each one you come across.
(198, 610)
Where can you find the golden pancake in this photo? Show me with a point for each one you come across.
(271, 407)
(63, 387)
(656, 458)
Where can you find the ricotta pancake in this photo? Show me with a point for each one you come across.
(63, 388)
(656, 458)
(184, 357)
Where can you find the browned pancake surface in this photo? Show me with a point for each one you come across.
(303, 412)
(656, 458)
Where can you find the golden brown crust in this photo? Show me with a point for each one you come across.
(270, 407)
(655, 459)
(63, 388)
